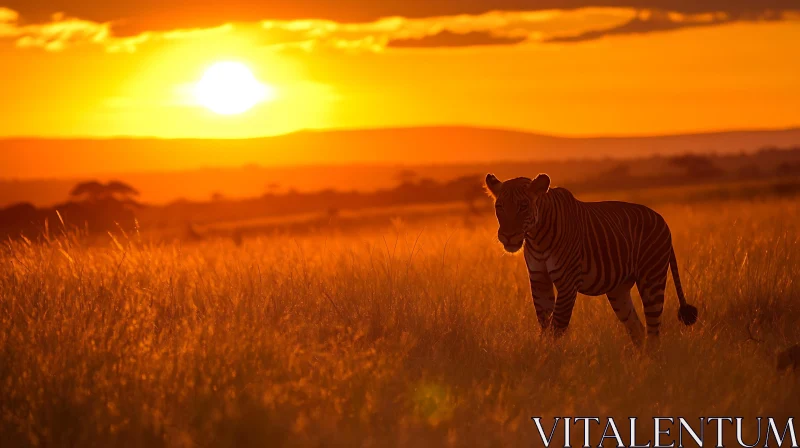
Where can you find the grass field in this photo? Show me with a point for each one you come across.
(410, 336)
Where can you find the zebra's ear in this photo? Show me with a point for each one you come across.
(493, 185)
(540, 185)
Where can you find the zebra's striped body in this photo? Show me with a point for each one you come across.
(593, 248)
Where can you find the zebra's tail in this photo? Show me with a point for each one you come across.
(686, 313)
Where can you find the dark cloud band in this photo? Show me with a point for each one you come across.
(131, 18)
(645, 22)
(450, 39)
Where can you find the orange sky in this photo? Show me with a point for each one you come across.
(588, 71)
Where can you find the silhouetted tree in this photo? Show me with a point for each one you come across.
(94, 191)
(91, 190)
(696, 165)
(333, 213)
(121, 190)
(238, 237)
(406, 176)
(474, 193)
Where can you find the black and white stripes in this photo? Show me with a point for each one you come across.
(592, 248)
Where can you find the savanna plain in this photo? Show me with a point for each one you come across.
(421, 335)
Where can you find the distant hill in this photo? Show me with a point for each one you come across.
(42, 171)
(42, 158)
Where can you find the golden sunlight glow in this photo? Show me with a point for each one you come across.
(230, 88)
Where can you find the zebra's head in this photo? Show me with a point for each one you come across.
(515, 203)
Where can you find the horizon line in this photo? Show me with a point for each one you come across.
(407, 127)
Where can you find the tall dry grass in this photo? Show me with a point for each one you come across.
(403, 337)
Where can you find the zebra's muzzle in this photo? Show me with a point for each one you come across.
(511, 243)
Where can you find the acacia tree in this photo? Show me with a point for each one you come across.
(90, 190)
(95, 191)
(121, 190)
(406, 176)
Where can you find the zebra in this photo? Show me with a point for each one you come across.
(592, 248)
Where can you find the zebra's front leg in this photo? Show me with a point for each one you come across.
(543, 298)
(565, 303)
(541, 288)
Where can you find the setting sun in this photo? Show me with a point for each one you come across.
(230, 88)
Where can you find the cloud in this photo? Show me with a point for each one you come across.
(494, 28)
(8, 15)
(646, 22)
(54, 35)
(649, 21)
(448, 38)
(132, 43)
(62, 32)
(133, 18)
(312, 35)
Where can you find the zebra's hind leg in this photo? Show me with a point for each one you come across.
(621, 302)
(652, 292)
